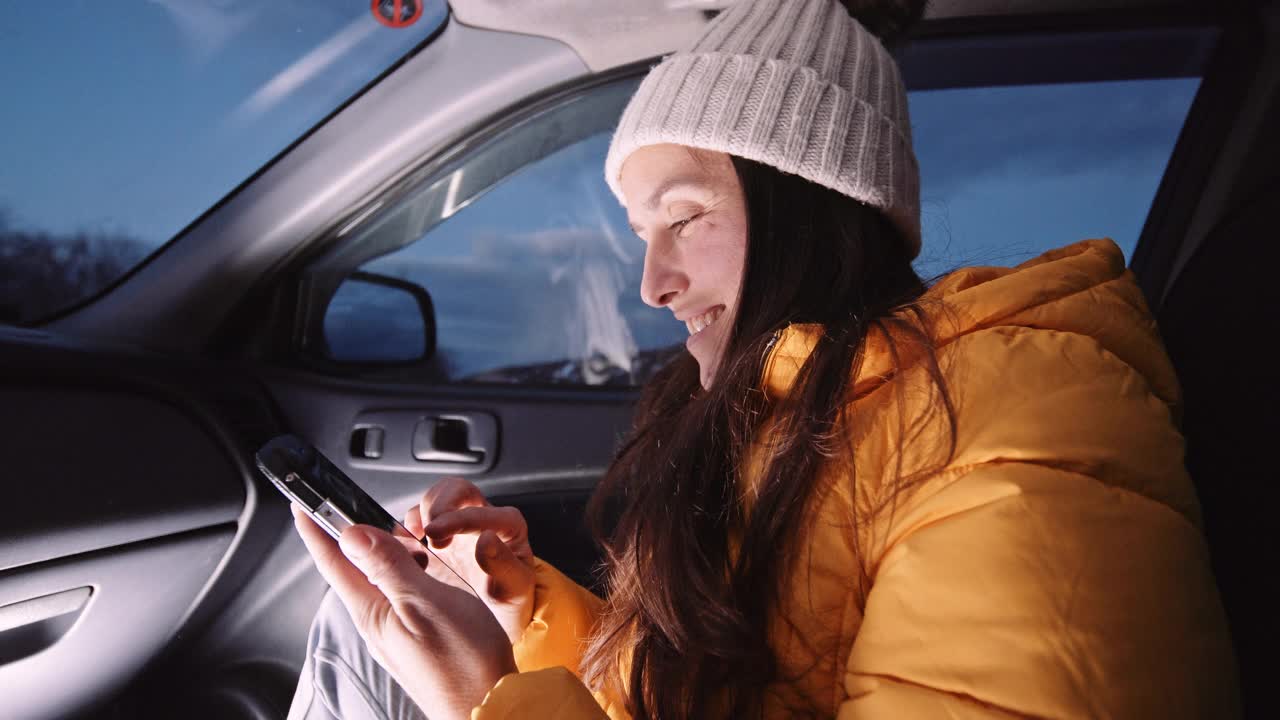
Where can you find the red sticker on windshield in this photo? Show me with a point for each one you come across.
(397, 13)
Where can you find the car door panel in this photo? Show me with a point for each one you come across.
(128, 490)
(73, 456)
(552, 448)
(128, 619)
(547, 439)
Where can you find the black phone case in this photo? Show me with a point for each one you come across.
(306, 476)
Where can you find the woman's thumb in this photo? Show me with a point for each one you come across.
(509, 578)
(384, 561)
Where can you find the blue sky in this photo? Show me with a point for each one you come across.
(137, 116)
(1008, 172)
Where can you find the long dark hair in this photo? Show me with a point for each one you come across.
(689, 614)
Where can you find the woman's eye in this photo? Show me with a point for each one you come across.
(680, 225)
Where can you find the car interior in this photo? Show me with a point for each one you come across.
(148, 569)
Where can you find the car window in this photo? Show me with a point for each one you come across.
(534, 274)
(531, 267)
(1009, 172)
(124, 122)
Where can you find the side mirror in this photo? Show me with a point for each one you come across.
(379, 320)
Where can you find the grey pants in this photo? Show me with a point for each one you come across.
(340, 680)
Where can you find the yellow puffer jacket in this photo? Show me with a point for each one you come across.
(1054, 568)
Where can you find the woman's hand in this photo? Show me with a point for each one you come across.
(487, 545)
(440, 643)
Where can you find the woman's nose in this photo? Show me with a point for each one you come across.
(663, 280)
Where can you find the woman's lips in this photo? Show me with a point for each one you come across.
(698, 323)
(702, 327)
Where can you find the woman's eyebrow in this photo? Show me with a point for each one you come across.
(696, 181)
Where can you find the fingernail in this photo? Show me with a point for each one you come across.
(355, 543)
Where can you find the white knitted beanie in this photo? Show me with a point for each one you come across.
(795, 84)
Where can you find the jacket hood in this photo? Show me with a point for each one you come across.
(1083, 288)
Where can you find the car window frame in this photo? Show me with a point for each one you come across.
(300, 302)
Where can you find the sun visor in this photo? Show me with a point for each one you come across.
(604, 33)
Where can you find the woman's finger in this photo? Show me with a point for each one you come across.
(443, 646)
(507, 522)
(386, 563)
(334, 567)
(509, 585)
(370, 571)
(447, 495)
(509, 578)
(413, 520)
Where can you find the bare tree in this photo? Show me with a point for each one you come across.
(42, 273)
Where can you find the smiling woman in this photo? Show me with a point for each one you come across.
(143, 116)
(856, 494)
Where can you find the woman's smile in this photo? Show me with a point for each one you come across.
(704, 334)
(700, 322)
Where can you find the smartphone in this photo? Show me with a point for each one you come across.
(332, 499)
(328, 496)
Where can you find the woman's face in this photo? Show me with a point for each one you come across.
(687, 205)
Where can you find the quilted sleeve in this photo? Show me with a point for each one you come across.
(548, 656)
(563, 615)
(1055, 568)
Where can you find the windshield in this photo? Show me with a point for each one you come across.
(125, 121)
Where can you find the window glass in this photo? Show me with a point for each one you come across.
(532, 270)
(535, 275)
(538, 281)
(123, 122)
(1009, 172)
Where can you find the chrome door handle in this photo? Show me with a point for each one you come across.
(448, 439)
(29, 626)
